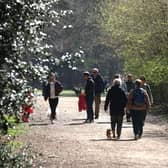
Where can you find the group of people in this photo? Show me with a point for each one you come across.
(123, 97)
(94, 87)
(133, 98)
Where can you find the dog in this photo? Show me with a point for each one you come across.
(108, 133)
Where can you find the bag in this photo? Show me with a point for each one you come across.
(82, 102)
(139, 97)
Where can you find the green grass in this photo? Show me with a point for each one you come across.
(64, 93)
(68, 93)
(14, 130)
(17, 129)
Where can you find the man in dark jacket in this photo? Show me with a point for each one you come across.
(51, 92)
(99, 89)
(89, 93)
(117, 100)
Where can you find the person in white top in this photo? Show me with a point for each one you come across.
(51, 92)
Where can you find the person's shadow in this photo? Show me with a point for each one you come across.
(79, 119)
(38, 124)
(73, 124)
(81, 122)
(113, 139)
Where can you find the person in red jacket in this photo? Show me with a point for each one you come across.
(27, 106)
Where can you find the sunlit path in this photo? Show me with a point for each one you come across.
(70, 143)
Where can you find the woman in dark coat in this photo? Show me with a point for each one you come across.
(51, 92)
(117, 100)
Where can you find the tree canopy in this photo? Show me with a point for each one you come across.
(23, 46)
(38, 36)
(139, 32)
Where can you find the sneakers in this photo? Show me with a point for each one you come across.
(53, 118)
(52, 121)
(96, 117)
(138, 136)
(89, 121)
(118, 137)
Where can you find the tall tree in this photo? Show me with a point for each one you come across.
(139, 30)
(82, 34)
(23, 47)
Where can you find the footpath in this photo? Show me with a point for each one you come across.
(69, 143)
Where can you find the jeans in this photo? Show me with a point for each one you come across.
(138, 120)
(116, 120)
(89, 102)
(53, 104)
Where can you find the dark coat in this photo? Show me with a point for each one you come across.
(90, 88)
(130, 85)
(46, 91)
(99, 84)
(117, 100)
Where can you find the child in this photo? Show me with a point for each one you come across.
(27, 106)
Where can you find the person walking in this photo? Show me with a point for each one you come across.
(130, 86)
(99, 89)
(51, 91)
(117, 99)
(146, 86)
(123, 85)
(89, 93)
(138, 104)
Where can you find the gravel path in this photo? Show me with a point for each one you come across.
(71, 144)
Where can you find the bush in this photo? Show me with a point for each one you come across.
(23, 158)
(160, 93)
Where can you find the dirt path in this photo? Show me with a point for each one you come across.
(71, 144)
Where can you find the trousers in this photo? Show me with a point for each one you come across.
(117, 120)
(97, 105)
(53, 105)
(138, 120)
(89, 102)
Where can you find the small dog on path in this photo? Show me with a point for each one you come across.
(108, 133)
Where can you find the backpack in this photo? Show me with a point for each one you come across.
(139, 97)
